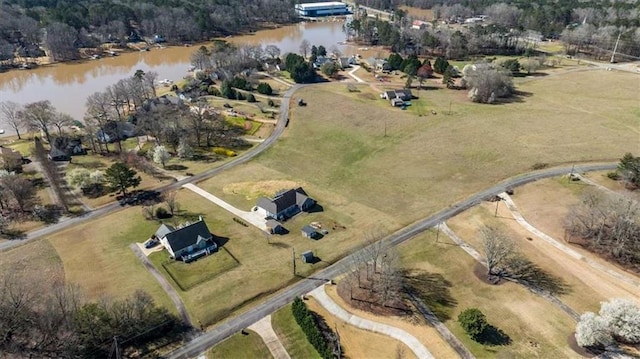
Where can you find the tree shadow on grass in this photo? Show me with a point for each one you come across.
(493, 336)
(526, 272)
(433, 289)
(176, 167)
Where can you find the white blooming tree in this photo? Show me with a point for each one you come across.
(185, 150)
(160, 155)
(618, 319)
(622, 317)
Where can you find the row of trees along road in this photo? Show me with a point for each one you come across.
(64, 27)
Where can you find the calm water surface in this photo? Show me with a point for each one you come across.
(68, 85)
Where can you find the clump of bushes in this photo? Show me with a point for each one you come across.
(305, 319)
(264, 88)
(475, 324)
(224, 152)
(162, 213)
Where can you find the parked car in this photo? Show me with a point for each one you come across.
(151, 243)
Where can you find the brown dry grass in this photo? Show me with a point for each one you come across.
(416, 326)
(358, 343)
(96, 256)
(421, 14)
(587, 286)
(254, 190)
(265, 266)
(537, 328)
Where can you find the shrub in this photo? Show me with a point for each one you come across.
(224, 151)
(213, 91)
(174, 87)
(473, 322)
(613, 175)
(251, 98)
(271, 103)
(162, 213)
(307, 323)
(264, 88)
(539, 165)
(240, 96)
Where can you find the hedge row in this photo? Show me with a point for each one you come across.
(306, 321)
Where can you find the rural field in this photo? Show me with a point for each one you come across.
(536, 327)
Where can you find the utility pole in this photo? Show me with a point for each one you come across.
(615, 48)
(437, 232)
(385, 128)
(573, 167)
(294, 262)
(115, 348)
(497, 203)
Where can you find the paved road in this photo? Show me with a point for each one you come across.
(175, 298)
(102, 211)
(396, 333)
(279, 300)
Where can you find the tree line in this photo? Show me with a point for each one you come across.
(53, 319)
(321, 337)
(64, 26)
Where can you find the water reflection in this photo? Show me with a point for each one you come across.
(68, 85)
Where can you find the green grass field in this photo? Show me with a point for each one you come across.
(291, 336)
(188, 275)
(240, 346)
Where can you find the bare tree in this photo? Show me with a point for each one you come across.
(273, 51)
(497, 248)
(305, 46)
(61, 120)
(60, 41)
(487, 83)
(39, 115)
(171, 201)
(10, 112)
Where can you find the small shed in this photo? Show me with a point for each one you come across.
(307, 257)
(309, 232)
(396, 102)
(274, 226)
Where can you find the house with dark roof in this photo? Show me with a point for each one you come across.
(187, 242)
(310, 232)
(285, 204)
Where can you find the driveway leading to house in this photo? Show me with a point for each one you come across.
(254, 218)
(175, 298)
(332, 307)
(265, 331)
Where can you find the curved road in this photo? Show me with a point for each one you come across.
(282, 298)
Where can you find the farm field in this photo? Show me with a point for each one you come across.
(536, 327)
(425, 162)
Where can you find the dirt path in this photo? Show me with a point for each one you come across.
(513, 209)
(175, 298)
(444, 332)
(332, 307)
(265, 331)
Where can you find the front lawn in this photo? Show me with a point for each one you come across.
(188, 275)
(240, 345)
(291, 335)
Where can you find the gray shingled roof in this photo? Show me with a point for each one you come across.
(283, 200)
(188, 235)
(163, 230)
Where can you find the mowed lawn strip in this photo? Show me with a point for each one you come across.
(291, 335)
(188, 275)
(241, 346)
(536, 327)
(96, 255)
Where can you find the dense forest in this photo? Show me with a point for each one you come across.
(65, 25)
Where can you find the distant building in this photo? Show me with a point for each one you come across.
(331, 8)
(420, 25)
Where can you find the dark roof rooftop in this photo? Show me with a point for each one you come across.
(283, 200)
(188, 235)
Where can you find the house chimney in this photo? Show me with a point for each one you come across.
(200, 218)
